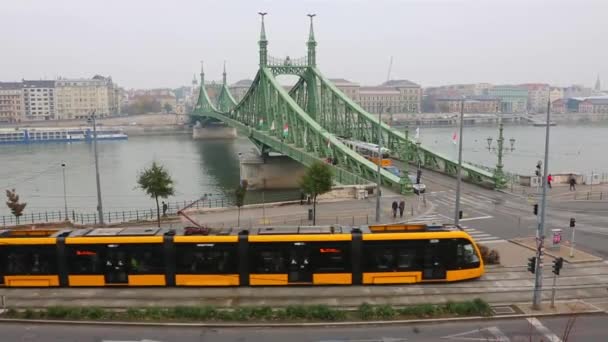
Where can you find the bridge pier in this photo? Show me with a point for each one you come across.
(271, 172)
(213, 132)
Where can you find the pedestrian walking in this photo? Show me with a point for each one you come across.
(302, 197)
(549, 180)
(165, 207)
(395, 206)
(572, 182)
(401, 208)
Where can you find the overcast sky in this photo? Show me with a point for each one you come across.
(149, 43)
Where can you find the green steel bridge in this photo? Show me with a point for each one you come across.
(307, 122)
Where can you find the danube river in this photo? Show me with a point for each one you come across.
(200, 167)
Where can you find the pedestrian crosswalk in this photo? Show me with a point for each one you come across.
(475, 200)
(478, 235)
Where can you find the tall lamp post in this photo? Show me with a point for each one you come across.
(499, 175)
(65, 197)
(459, 172)
(379, 162)
(540, 233)
(99, 205)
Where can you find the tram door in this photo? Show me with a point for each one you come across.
(116, 262)
(300, 270)
(3, 263)
(433, 267)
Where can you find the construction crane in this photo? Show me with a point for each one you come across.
(390, 67)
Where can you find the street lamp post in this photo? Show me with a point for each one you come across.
(540, 233)
(65, 197)
(379, 161)
(99, 204)
(459, 172)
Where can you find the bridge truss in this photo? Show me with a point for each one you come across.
(307, 122)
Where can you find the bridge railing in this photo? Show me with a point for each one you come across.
(287, 61)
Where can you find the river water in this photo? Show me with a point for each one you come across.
(200, 167)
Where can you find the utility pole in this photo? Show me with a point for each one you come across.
(459, 172)
(99, 206)
(65, 196)
(540, 234)
(379, 161)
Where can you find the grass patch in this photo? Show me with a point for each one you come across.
(292, 313)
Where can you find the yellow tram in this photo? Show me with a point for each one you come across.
(328, 255)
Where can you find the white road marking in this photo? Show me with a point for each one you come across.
(476, 218)
(381, 339)
(479, 235)
(500, 336)
(494, 331)
(493, 241)
(543, 330)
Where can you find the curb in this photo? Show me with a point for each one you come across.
(296, 325)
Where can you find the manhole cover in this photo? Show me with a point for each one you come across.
(503, 310)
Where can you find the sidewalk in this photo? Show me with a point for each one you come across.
(561, 252)
(561, 192)
(345, 212)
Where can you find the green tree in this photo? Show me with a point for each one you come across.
(316, 181)
(168, 107)
(239, 195)
(156, 182)
(14, 205)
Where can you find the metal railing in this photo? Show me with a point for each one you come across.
(590, 195)
(135, 215)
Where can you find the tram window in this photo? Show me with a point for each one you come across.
(331, 258)
(268, 259)
(466, 256)
(84, 259)
(206, 259)
(145, 259)
(398, 256)
(32, 260)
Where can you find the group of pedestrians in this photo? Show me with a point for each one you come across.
(398, 206)
(571, 181)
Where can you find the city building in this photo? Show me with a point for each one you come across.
(538, 96)
(77, 98)
(474, 104)
(558, 106)
(556, 93)
(512, 99)
(577, 91)
(599, 105)
(39, 100)
(11, 102)
(239, 89)
(598, 85)
(394, 96)
(351, 89)
(587, 105)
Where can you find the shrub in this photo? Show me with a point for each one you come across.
(385, 312)
(366, 311)
(324, 313)
(59, 312)
(489, 257)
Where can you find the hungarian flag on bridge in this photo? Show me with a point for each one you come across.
(285, 130)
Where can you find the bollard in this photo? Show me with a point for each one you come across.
(3, 302)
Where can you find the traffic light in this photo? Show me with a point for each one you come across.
(538, 166)
(557, 265)
(572, 222)
(532, 264)
(460, 215)
(536, 209)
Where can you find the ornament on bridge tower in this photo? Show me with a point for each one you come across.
(261, 123)
(328, 143)
(272, 126)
